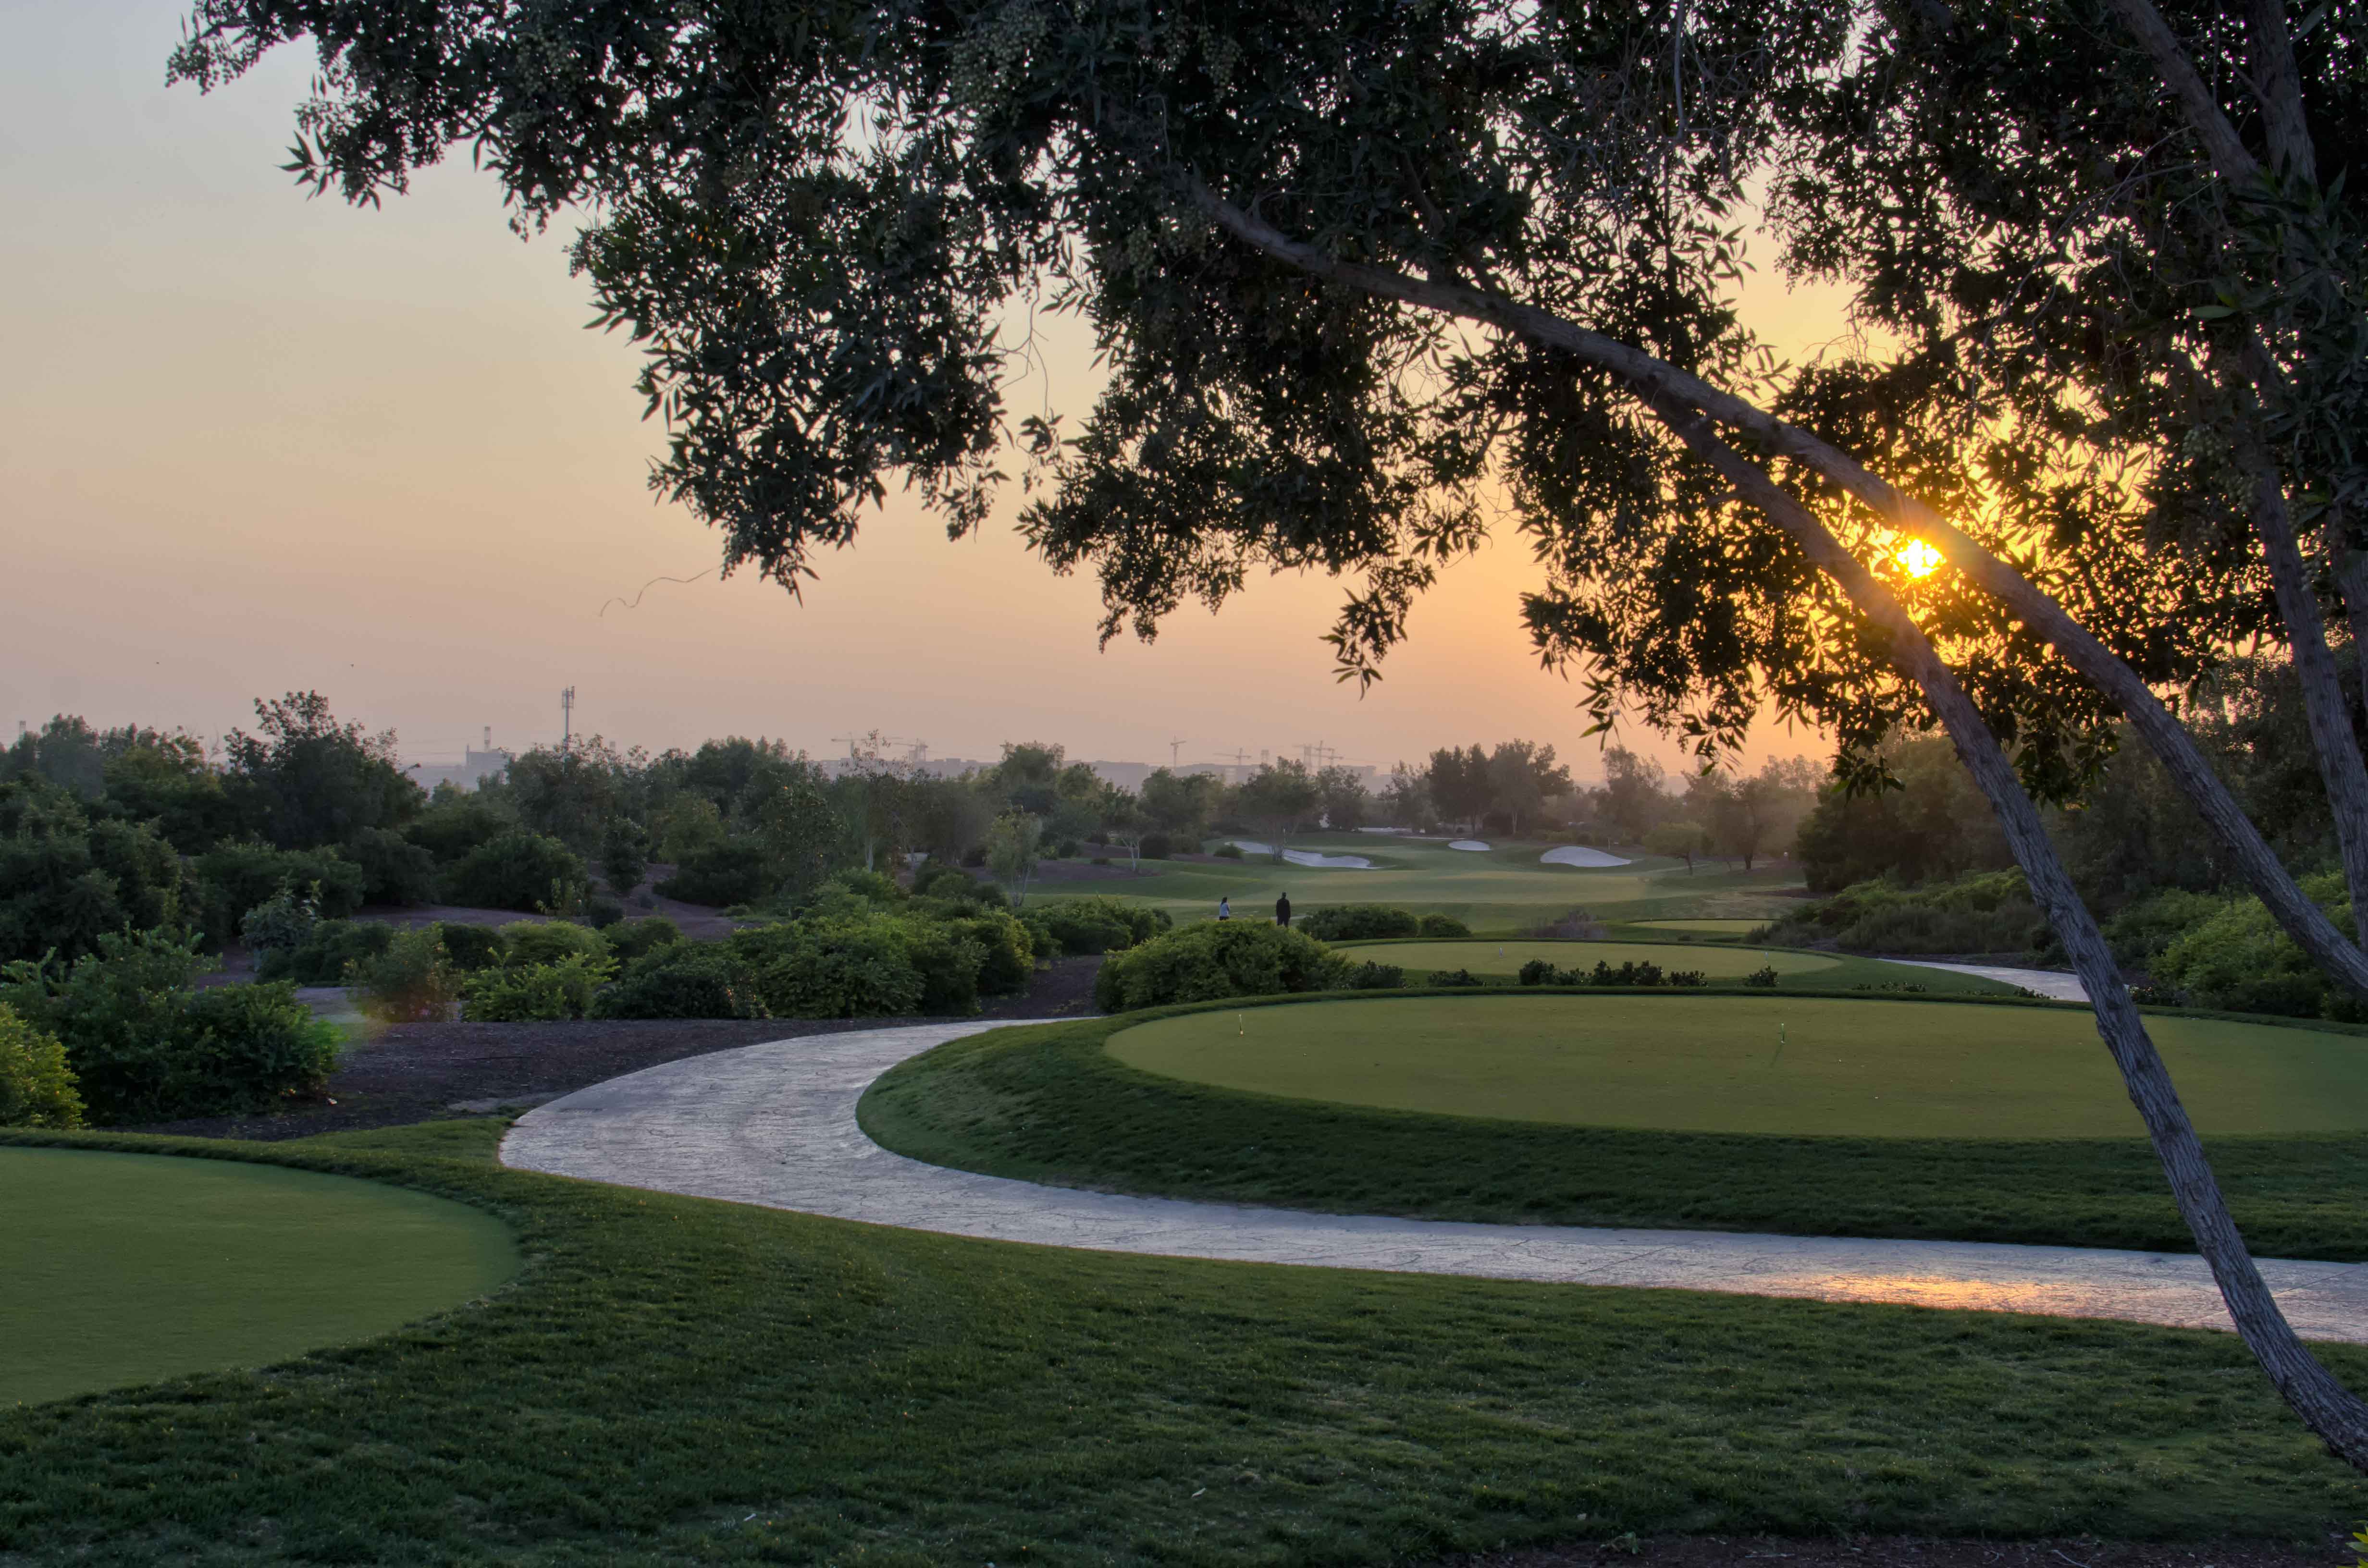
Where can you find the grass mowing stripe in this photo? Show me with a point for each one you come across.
(1049, 1104)
(677, 1381)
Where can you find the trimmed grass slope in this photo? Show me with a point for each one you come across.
(674, 1381)
(125, 1268)
(1049, 1104)
(1788, 1065)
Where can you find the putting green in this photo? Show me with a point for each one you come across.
(125, 1268)
(1418, 959)
(1786, 1064)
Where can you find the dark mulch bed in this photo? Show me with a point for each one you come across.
(418, 1071)
(1908, 1551)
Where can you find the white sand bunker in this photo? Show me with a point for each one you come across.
(1580, 854)
(1307, 857)
(1467, 844)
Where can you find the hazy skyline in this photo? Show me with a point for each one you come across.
(256, 443)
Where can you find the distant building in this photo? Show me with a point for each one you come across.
(476, 768)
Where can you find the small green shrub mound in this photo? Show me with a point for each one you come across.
(326, 952)
(1764, 978)
(144, 1046)
(278, 926)
(1372, 977)
(629, 939)
(1982, 912)
(682, 979)
(1156, 846)
(1094, 925)
(550, 941)
(2235, 958)
(413, 980)
(37, 1086)
(525, 871)
(1227, 852)
(1359, 922)
(939, 878)
(1443, 925)
(536, 993)
(234, 877)
(469, 949)
(1538, 971)
(1213, 960)
(732, 872)
(394, 869)
(1453, 977)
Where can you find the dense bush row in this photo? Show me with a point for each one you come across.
(1538, 971)
(1234, 958)
(142, 1045)
(1367, 922)
(1987, 912)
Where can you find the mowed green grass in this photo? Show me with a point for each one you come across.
(126, 1268)
(1707, 927)
(1504, 890)
(1049, 1104)
(1506, 958)
(674, 1381)
(1791, 1065)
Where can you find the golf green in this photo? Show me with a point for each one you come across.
(1507, 958)
(1787, 1065)
(126, 1268)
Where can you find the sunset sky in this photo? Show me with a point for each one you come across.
(251, 442)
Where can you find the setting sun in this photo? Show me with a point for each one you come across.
(1916, 558)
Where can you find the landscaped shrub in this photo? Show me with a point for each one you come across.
(65, 879)
(682, 979)
(535, 993)
(1227, 851)
(629, 939)
(394, 869)
(413, 980)
(1213, 960)
(2236, 958)
(939, 880)
(624, 855)
(525, 871)
(1358, 921)
(1984, 912)
(326, 952)
(1007, 951)
(2140, 933)
(234, 877)
(1453, 977)
(1095, 925)
(530, 942)
(831, 969)
(732, 872)
(274, 930)
(145, 1047)
(1764, 978)
(1442, 925)
(449, 828)
(1372, 977)
(37, 1088)
(1156, 847)
(471, 947)
(1539, 971)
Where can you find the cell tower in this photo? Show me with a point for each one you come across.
(567, 719)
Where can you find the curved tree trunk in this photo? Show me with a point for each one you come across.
(2333, 1412)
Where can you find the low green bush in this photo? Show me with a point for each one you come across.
(1442, 925)
(469, 949)
(1372, 977)
(1358, 921)
(831, 969)
(629, 939)
(1453, 977)
(1213, 960)
(535, 993)
(530, 942)
(327, 951)
(1095, 925)
(2236, 958)
(234, 877)
(2140, 933)
(450, 827)
(1227, 851)
(525, 871)
(1541, 972)
(411, 981)
(279, 927)
(939, 878)
(734, 871)
(682, 979)
(1006, 951)
(1156, 846)
(144, 1046)
(395, 871)
(37, 1086)
(1982, 912)
(66, 879)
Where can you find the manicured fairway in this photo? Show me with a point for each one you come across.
(1418, 959)
(1786, 1064)
(124, 1268)
(681, 1382)
(1708, 928)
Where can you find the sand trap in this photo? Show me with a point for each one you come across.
(1467, 844)
(1580, 854)
(1307, 857)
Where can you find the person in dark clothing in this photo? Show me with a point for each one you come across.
(1282, 912)
(1225, 908)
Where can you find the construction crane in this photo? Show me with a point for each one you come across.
(1174, 751)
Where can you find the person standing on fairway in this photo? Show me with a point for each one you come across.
(1225, 908)
(1282, 912)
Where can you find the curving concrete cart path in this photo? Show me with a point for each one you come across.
(775, 1125)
